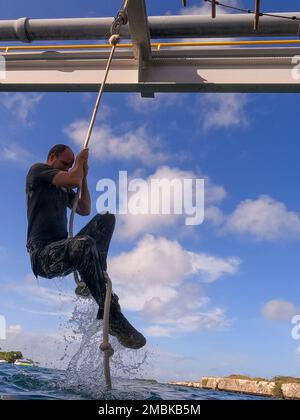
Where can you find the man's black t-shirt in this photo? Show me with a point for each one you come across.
(46, 206)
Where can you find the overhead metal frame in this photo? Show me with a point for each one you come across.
(139, 29)
(140, 36)
(168, 71)
(148, 71)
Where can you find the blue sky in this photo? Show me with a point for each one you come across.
(233, 314)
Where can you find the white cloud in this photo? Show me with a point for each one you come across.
(212, 268)
(30, 279)
(159, 278)
(42, 300)
(58, 313)
(188, 311)
(214, 215)
(223, 110)
(214, 194)
(131, 226)
(15, 153)
(279, 310)
(45, 348)
(264, 219)
(205, 9)
(145, 267)
(107, 112)
(42, 294)
(164, 264)
(159, 331)
(109, 144)
(171, 366)
(14, 329)
(195, 10)
(21, 105)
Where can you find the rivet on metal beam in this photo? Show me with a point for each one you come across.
(257, 14)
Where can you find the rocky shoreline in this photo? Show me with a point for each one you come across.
(278, 387)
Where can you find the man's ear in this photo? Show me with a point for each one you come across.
(50, 157)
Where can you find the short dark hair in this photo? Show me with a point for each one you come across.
(57, 150)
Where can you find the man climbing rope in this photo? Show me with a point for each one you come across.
(49, 193)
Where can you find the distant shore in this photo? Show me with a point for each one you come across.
(279, 387)
(10, 356)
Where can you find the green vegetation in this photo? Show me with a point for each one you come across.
(204, 382)
(286, 379)
(278, 390)
(281, 380)
(248, 378)
(11, 356)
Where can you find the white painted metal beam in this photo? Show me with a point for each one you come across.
(82, 71)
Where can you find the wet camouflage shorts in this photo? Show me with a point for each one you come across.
(85, 253)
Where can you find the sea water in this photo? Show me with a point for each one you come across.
(83, 378)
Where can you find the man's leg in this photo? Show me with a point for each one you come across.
(81, 254)
(101, 228)
(61, 258)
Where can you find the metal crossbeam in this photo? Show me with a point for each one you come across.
(168, 71)
(139, 30)
(140, 35)
(147, 71)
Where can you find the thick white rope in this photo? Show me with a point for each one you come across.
(105, 346)
(90, 129)
(86, 143)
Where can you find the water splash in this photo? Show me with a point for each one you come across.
(85, 370)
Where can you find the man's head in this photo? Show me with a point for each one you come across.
(60, 157)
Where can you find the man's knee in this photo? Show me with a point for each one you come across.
(83, 251)
(109, 218)
(83, 244)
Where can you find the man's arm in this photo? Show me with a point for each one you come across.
(74, 177)
(84, 202)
